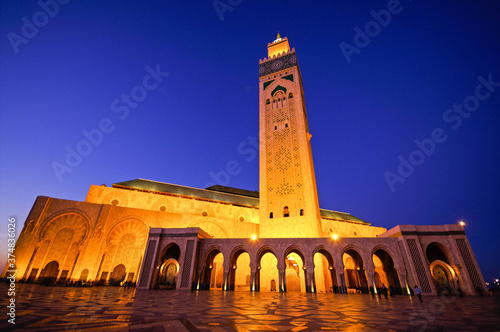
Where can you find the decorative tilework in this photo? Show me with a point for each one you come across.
(464, 251)
(280, 63)
(268, 83)
(278, 88)
(288, 77)
(188, 258)
(419, 266)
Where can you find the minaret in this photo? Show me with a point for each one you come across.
(288, 196)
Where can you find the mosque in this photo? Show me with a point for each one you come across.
(163, 236)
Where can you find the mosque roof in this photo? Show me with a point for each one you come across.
(219, 193)
(216, 193)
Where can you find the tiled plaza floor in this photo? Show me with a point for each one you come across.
(40, 308)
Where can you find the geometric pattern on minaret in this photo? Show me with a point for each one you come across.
(288, 196)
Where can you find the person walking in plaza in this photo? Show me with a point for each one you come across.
(419, 293)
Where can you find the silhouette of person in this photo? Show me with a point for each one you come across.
(418, 292)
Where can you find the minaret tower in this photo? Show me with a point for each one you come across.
(288, 196)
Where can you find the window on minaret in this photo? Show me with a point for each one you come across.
(301, 212)
(271, 215)
(290, 95)
(268, 102)
(279, 99)
(285, 212)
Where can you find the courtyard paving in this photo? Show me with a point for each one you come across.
(41, 308)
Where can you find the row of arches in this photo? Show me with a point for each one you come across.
(52, 274)
(61, 246)
(286, 213)
(293, 276)
(279, 99)
(267, 271)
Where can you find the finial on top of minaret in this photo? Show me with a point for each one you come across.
(278, 38)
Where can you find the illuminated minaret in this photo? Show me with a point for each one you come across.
(288, 196)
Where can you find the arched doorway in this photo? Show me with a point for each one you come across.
(169, 267)
(443, 274)
(117, 276)
(168, 274)
(385, 273)
(240, 272)
(436, 251)
(213, 273)
(267, 272)
(217, 277)
(84, 275)
(354, 272)
(294, 272)
(444, 277)
(324, 273)
(49, 273)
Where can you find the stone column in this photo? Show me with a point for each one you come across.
(341, 281)
(198, 280)
(405, 284)
(371, 285)
(252, 282)
(308, 282)
(28, 268)
(284, 280)
(375, 285)
(225, 281)
(73, 267)
(313, 283)
(402, 281)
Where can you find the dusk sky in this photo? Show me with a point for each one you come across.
(378, 90)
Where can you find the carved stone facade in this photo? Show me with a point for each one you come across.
(159, 235)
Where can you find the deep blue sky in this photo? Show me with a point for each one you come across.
(362, 115)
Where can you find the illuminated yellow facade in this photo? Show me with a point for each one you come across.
(160, 235)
